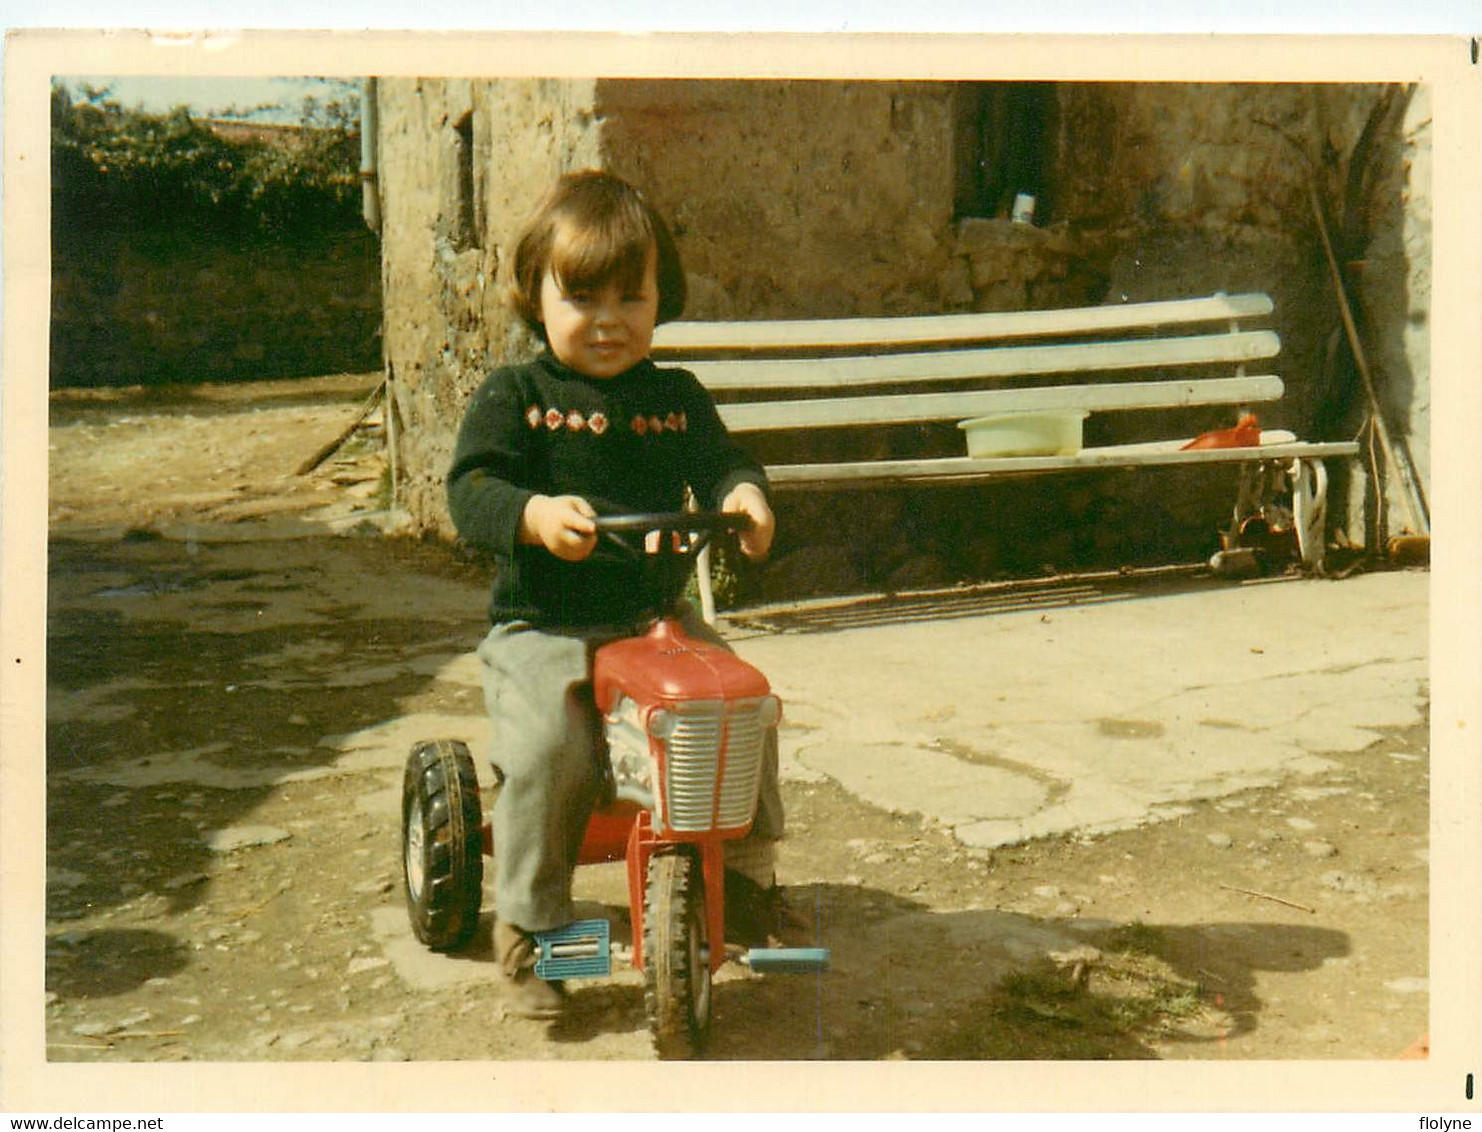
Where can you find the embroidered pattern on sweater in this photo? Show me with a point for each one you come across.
(575, 421)
(674, 422)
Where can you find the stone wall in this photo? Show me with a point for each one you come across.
(796, 199)
(824, 199)
(148, 309)
(1392, 288)
(461, 164)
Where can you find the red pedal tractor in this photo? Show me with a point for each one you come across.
(685, 728)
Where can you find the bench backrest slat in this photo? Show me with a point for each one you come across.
(845, 333)
(965, 469)
(1003, 361)
(835, 412)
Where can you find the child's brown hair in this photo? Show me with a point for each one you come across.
(593, 227)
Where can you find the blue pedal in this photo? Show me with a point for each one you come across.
(582, 950)
(787, 960)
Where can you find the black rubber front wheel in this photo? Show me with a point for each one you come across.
(676, 955)
(442, 847)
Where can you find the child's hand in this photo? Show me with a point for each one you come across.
(748, 499)
(563, 524)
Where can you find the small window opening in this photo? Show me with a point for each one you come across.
(466, 213)
(1003, 147)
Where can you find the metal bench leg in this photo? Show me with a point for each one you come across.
(1233, 559)
(1310, 509)
(1250, 498)
(1267, 528)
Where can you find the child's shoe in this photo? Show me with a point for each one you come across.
(758, 916)
(525, 995)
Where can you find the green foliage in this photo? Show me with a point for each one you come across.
(119, 168)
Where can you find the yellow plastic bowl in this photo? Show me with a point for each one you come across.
(1056, 433)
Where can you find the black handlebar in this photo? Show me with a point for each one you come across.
(707, 522)
(700, 527)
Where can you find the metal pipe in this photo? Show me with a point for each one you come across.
(370, 197)
(369, 156)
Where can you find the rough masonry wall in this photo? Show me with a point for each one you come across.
(1193, 194)
(446, 323)
(1393, 291)
(796, 199)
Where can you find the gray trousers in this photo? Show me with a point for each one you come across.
(537, 687)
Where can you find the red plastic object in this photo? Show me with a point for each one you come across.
(668, 665)
(607, 833)
(1245, 434)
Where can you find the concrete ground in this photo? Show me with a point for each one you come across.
(1088, 707)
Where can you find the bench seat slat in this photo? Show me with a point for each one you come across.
(677, 337)
(965, 469)
(908, 408)
(1002, 361)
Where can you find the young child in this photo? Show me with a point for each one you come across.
(590, 427)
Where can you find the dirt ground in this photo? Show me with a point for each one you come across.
(1282, 923)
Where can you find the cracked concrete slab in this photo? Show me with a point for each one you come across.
(1105, 714)
(904, 778)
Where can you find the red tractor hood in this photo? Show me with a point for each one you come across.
(668, 665)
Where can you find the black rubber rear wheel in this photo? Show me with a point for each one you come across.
(676, 955)
(442, 847)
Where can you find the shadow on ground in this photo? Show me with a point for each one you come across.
(1047, 989)
(187, 683)
(826, 615)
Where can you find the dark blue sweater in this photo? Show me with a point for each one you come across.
(630, 443)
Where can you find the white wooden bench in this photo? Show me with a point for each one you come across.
(808, 375)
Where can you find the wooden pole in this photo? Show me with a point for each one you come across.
(392, 431)
(1413, 505)
(328, 450)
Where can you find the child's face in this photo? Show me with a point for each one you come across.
(603, 331)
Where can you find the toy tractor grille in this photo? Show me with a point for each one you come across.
(743, 766)
(695, 801)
